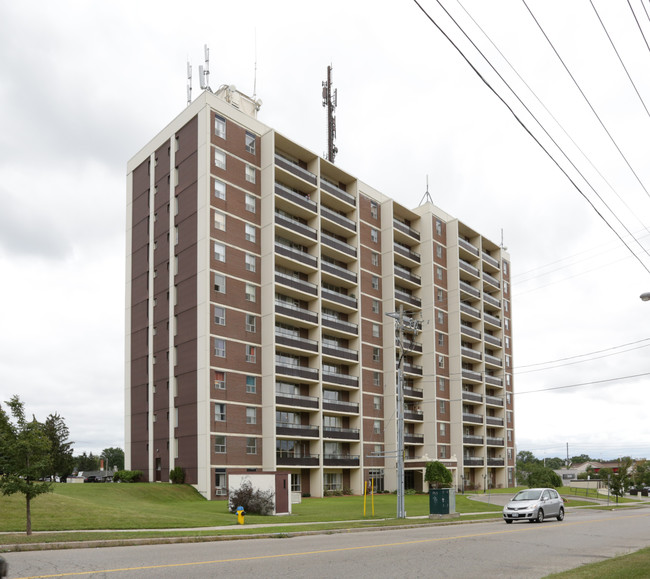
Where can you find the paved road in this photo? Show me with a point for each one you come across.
(482, 550)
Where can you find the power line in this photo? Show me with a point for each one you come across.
(582, 384)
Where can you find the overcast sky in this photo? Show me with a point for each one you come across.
(84, 85)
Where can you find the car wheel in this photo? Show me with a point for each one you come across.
(540, 516)
(509, 521)
(560, 515)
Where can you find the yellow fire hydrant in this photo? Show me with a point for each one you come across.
(240, 515)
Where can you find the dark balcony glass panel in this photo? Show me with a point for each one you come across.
(470, 331)
(467, 288)
(296, 283)
(494, 400)
(339, 298)
(285, 459)
(406, 252)
(296, 400)
(297, 371)
(492, 340)
(297, 430)
(491, 280)
(495, 461)
(338, 245)
(295, 169)
(341, 325)
(296, 226)
(301, 256)
(344, 433)
(492, 301)
(397, 224)
(494, 380)
(493, 421)
(472, 461)
(468, 267)
(470, 353)
(472, 311)
(476, 418)
(341, 379)
(345, 353)
(341, 460)
(493, 360)
(340, 406)
(492, 441)
(337, 192)
(472, 375)
(301, 343)
(414, 438)
(471, 439)
(472, 396)
(490, 319)
(412, 369)
(295, 197)
(338, 218)
(410, 415)
(338, 271)
(406, 297)
(404, 274)
(288, 309)
(493, 262)
(468, 246)
(413, 392)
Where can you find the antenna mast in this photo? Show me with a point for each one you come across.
(329, 101)
(204, 73)
(189, 83)
(427, 196)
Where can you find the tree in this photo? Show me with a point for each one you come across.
(58, 433)
(619, 481)
(581, 459)
(556, 463)
(113, 458)
(26, 456)
(526, 457)
(641, 473)
(85, 462)
(438, 475)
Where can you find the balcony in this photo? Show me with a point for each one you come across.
(408, 298)
(493, 380)
(494, 341)
(341, 325)
(469, 289)
(472, 461)
(492, 320)
(472, 396)
(492, 301)
(493, 421)
(470, 310)
(296, 226)
(471, 439)
(297, 371)
(283, 458)
(401, 226)
(466, 245)
(339, 219)
(339, 245)
(468, 267)
(493, 461)
(410, 346)
(340, 406)
(413, 392)
(341, 379)
(493, 400)
(295, 169)
(470, 332)
(472, 375)
(407, 275)
(491, 280)
(296, 342)
(342, 433)
(337, 192)
(290, 310)
(297, 197)
(294, 430)
(296, 283)
(414, 438)
(469, 353)
(339, 298)
(340, 352)
(412, 368)
(413, 415)
(338, 271)
(340, 460)
(489, 259)
(491, 441)
(475, 418)
(296, 400)
(493, 360)
(406, 252)
(296, 254)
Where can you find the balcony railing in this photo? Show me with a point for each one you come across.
(296, 283)
(339, 298)
(490, 339)
(342, 325)
(473, 396)
(296, 342)
(341, 246)
(471, 375)
(294, 168)
(468, 267)
(491, 280)
(469, 417)
(493, 262)
(493, 461)
(468, 246)
(413, 415)
(337, 432)
(338, 218)
(340, 379)
(287, 429)
(470, 332)
(492, 441)
(297, 371)
(493, 360)
(413, 392)
(412, 368)
(340, 406)
(413, 438)
(338, 271)
(470, 289)
(296, 400)
(472, 439)
(340, 460)
(406, 252)
(297, 197)
(407, 297)
(472, 311)
(301, 256)
(407, 275)
(291, 310)
(472, 461)
(470, 353)
(410, 346)
(490, 319)
(340, 352)
(494, 380)
(337, 192)
(295, 225)
(491, 300)
(401, 226)
(493, 421)
(493, 400)
(284, 458)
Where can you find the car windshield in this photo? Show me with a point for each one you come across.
(529, 495)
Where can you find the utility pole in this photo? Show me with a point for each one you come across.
(414, 326)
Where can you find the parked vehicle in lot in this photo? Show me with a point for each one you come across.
(534, 505)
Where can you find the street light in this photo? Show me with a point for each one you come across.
(645, 296)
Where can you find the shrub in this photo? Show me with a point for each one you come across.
(254, 501)
(409, 492)
(347, 491)
(127, 476)
(306, 495)
(177, 475)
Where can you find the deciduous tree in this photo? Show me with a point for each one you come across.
(438, 475)
(113, 457)
(58, 433)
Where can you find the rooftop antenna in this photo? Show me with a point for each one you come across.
(189, 83)
(255, 75)
(426, 198)
(330, 101)
(204, 73)
(503, 246)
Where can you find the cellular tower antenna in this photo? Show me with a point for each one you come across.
(204, 72)
(427, 196)
(189, 83)
(329, 101)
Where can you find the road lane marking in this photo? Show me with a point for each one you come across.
(337, 550)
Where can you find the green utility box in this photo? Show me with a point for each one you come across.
(442, 501)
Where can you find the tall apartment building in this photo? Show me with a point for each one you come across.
(260, 277)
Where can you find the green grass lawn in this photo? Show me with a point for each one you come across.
(162, 506)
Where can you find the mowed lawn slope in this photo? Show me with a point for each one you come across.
(162, 505)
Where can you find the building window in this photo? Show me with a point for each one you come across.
(250, 233)
(375, 331)
(509, 433)
(374, 258)
(219, 159)
(220, 126)
(441, 384)
(251, 292)
(509, 416)
(375, 306)
(251, 202)
(505, 287)
(443, 429)
(220, 412)
(438, 227)
(376, 402)
(441, 339)
(332, 481)
(441, 361)
(375, 355)
(507, 340)
(508, 398)
(250, 143)
(376, 426)
(251, 353)
(220, 348)
(442, 406)
(374, 235)
(251, 415)
(219, 221)
(220, 380)
(376, 379)
(506, 323)
(251, 446)
(296, 485)
(507, 379)
(251, 385)
(374, 282)
(438, 272)
(219, 189)
(250, 262)
(441, 317)
(441, 295)
(439, 250)
(220, 446)
(250, 173)
(374, 209)
(251, 323)
(220, 283)
(219, 252)
(443, 452)
(505, 268)
(219, 316)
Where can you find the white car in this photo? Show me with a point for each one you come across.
(534, 505)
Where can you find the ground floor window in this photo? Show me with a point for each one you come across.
(333, 481)
(220, 488)
(296, 485)
(377, 477)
